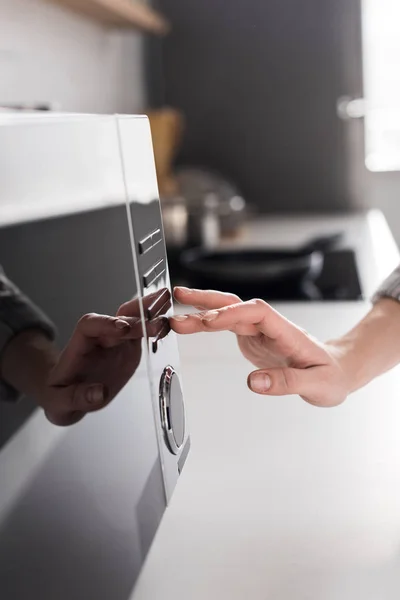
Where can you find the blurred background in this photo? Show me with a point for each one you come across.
(264, 106)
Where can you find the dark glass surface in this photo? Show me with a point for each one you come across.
(339, 280)
(94, 503)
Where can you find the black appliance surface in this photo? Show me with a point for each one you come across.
(337, 281)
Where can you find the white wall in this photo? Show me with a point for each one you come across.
(382, 91)
(50, 54)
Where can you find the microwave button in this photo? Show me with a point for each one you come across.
(156, 237)
(145, 244)
(149, 277)
(154, 273)
(160, 267)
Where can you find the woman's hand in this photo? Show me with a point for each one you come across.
(289, 360)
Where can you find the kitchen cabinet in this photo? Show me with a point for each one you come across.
(120, 13)
(259, 83)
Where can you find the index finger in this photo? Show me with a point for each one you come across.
(204, 299)
(93, 325)
(255, 314)
(93, 329)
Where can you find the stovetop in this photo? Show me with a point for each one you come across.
(339, 281)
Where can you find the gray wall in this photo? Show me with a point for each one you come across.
(258, 81)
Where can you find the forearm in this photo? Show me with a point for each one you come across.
(373, 346)
(27, 361)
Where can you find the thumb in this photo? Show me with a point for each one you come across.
(284, 381)
(319, 385)
(67, 405)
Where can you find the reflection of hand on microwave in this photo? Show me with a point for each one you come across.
(100, 358)
(103, 354)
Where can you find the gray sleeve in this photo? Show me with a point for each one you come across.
(390, 288)
(17, 314)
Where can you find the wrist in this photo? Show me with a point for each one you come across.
(351, 362)
(27, 361)
(372, 347)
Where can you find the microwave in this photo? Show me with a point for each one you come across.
(81, 232)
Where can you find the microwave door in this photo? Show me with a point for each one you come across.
(80, 505)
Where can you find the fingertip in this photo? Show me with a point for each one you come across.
(122, 325)
(90, 397)
(259, 382)
(95, 394)
(181, 294)
(179, 318)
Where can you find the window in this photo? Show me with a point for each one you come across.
(381, 32)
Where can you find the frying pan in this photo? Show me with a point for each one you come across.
(253, 268)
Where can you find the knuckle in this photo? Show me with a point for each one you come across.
(258, 302)
(199, 315)
(122, 309)
(228, 310)
(88, 318)
(235, 299)
(289, 380)
(306, 333)
(108, 319)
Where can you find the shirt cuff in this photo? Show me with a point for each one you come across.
(390, 288)
(18, 314)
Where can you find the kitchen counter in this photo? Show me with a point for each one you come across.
(280, 500)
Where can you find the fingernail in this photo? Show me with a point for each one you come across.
(180, 317)
(210, 316)
(260, 382)
(120, 324)
(185, 290)
(95, 394)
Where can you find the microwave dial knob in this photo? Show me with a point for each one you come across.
(172, 409)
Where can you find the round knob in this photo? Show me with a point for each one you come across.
(172, 409)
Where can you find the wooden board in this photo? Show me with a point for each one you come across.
(119, 13)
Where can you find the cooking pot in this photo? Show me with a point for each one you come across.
(206, 208)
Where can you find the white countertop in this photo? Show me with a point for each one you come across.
(280, 500)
